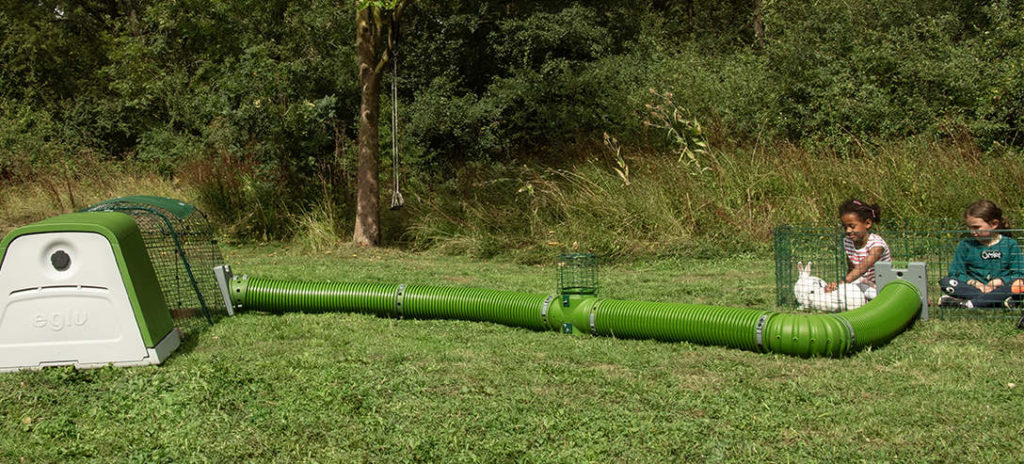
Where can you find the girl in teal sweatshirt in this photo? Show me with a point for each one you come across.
(985, 265)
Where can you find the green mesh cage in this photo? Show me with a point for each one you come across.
(932, 241)
(577, 274)
(181, 244)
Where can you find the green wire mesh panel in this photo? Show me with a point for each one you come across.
(181, 244)
(932, 241)
(577, 274)
(817, 244)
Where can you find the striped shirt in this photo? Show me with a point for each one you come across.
(856, 255)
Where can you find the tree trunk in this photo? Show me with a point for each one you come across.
(759, 24)
(368, 41)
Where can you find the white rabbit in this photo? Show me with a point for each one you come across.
(810, 293)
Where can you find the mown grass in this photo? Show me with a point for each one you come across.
(344, 387)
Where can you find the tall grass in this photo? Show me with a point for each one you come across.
(729, 206)
(726, 204)
(52, 192)
(322, 229)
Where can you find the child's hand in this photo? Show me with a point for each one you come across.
(991, 285)
(831, 287)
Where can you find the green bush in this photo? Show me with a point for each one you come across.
(255, 94)
(264, 95)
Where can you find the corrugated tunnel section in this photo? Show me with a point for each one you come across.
(805, 335)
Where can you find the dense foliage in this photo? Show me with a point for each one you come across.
(254, 102)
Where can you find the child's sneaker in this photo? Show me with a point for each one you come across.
(950, 301)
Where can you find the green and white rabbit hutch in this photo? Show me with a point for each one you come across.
(114, 284)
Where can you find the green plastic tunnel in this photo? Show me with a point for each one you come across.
(832, 334)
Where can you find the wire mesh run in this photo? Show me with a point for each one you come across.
(932, 241)
(577, 274)
(181, 245)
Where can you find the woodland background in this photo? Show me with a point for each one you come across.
(629, 128)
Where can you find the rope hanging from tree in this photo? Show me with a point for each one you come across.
(396, 196)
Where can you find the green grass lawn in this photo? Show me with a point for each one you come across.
(345, 387)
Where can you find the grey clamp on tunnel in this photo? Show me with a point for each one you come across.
(223, 275)
(915, 273)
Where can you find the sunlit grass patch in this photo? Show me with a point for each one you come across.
(353, 387)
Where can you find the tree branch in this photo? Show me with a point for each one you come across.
(385, 57)
(399, 8)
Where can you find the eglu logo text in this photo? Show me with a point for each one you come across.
(61, 320)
